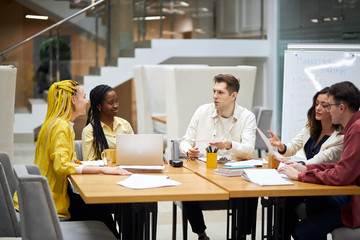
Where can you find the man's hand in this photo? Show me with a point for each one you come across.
(289, 171)
(224, 144)
(275, 141)
(193, 153)
(298, 166)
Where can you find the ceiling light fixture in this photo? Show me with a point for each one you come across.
(185, 4)
(149, 18)
(39, 17)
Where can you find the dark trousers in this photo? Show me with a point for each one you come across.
(80, 211)
(323, 216)
(193, 213)
(291, 219)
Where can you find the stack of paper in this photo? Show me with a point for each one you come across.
(246, 163)
(229, 171)
(140, 181)
(264, 177)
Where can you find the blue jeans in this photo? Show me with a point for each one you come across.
(323, 216)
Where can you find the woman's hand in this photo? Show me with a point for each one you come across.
(115, 171)
(275, 141)
(279, 160)
(290, 171)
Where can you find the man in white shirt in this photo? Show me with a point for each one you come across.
(232, 128)
(223, 119)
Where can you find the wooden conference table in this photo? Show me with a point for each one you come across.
(239, 188)
(98, 188)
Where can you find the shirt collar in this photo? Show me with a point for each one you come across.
(117, 123)
(352, 120)
(236, 114)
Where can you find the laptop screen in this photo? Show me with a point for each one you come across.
(139, 149)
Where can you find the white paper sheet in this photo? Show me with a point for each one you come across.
(142, 181)
(207, 140)
(253, 162)
(271, 148)
(143, 167)
(97, 163)
(264, 177)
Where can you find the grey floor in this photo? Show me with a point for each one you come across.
(24, 152)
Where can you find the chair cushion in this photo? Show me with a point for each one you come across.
(85, 230)
(346, 233)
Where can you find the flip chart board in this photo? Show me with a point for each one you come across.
(308, 71)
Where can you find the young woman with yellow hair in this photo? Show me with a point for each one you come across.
(55, 153)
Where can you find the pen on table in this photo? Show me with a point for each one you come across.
(77, 161)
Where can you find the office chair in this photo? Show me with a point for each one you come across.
(10, 221)
(263, 121)
(38, 217)
(9, 172)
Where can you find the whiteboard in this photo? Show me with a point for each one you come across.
(307, 72)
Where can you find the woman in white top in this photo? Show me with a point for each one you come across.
(320, 139)
(321, 142)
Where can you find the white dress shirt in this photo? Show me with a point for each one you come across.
(206, 123)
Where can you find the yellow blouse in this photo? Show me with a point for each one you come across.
(121, 126)
(54, 160)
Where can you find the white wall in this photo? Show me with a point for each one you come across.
(7, 98)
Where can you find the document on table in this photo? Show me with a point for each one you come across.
(143, 167)
(142, 181)
(206, 140)
(264, 177)
(271, 148)
(97, 163)
(203, 159)
(251, 162)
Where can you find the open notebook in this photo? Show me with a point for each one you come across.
(140, 152)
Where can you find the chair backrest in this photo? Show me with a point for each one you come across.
(78, 150)
(10, 225)
(188, 88)
(263, 121)
(345, 233)
(9, 172)
(150, 96)
(38, 215)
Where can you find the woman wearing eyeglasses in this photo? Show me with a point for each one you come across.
(321, 142)
(320, 139)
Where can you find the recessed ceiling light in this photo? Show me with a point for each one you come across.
(29, 16)
(314, 20)
(149, 18)
(185, 4)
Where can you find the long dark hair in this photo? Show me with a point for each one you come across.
(313, 124)
(97, 96)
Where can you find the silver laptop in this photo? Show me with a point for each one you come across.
(139, 149)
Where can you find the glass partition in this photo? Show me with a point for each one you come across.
(101, 34)
(72, 49)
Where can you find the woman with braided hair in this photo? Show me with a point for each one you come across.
(102, 123)
(55, 153)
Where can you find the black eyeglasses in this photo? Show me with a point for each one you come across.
(328, 106)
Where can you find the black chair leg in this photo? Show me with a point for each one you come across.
(185, 227)
(174, 222)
